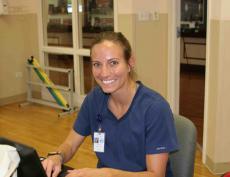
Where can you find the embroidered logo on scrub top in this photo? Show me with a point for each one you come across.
(160, 148)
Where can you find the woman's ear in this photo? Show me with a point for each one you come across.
(132, 62)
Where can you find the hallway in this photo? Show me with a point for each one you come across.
(192, 83)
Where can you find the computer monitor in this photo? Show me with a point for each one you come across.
(30, 164)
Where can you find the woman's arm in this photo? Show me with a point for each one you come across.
(70, 145)
(67, 149)
(157, 163)
(156, 167)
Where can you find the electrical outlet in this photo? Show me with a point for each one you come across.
(144, 16)
(18, 75)
(3, 7)
(155, 16)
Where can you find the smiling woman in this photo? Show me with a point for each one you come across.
(131, 125)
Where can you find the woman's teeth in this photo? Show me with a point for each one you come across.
(107, 81)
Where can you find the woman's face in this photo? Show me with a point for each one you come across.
(109, 67)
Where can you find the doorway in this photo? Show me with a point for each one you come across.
(192, 62)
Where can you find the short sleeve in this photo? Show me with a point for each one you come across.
(82, 122)
(160, 129)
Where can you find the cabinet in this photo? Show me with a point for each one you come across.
(193, 18)
(193, 31)
(59, 30)
(193, 50)
(98, 16)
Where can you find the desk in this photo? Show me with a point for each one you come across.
(64, 170)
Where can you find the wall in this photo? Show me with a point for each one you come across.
(217, 143)
(16, 7)
(18, 34)
(149, 39)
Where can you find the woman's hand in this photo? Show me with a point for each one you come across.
(52, 165)
(88, 172)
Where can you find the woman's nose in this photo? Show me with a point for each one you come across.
(105, 71)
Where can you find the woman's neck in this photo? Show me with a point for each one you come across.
(119, 102)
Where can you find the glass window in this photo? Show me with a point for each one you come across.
(57, 21)
(59, 61)
(92, 17)
(95, 16)
(87, 80)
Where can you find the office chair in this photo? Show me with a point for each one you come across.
(182, 161)
(226, 174)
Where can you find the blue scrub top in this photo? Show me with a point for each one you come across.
(146, 128)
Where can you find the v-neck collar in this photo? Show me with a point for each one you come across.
(139, 86)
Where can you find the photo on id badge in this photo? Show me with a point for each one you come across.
(99, 141)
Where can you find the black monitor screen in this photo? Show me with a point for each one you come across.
(30, 165)
(192, 10)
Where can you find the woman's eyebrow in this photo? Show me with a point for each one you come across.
(110, 59)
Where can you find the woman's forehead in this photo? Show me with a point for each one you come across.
(108, 44)
(107, 47)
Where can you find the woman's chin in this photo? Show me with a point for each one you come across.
(106, 90)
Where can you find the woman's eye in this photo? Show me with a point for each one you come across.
(96, 65)
(113, 63)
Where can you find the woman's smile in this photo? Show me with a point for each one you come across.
(106, 82)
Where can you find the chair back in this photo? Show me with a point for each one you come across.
(182, 161)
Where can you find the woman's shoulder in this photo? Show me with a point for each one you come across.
(150, 94)
(95, 95)
(148, 98)
(153, 102)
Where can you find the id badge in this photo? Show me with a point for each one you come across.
(99, 142)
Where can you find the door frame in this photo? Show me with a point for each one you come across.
(174, 66)
(173, 56)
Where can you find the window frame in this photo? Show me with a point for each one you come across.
(76, 51)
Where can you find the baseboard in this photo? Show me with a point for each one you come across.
(217, 168)
(12, 99)
(18, 98)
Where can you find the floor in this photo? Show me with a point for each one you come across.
(192, 83)
(40, 127)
